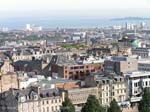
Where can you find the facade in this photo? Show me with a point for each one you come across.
(137, 81)
(143, 52)
(29, 100)
(28, 53)
(109, 88)
(103, 51)
(8, 78)
(8, 81)
(144, 65)
(75, 71)
(79, 96)
(121, 64)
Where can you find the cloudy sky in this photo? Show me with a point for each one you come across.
(85, 8)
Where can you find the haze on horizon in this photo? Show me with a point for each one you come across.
(74, 8)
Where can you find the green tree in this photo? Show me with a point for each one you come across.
(67, 106)
(114, 107)
(92, 105)
(144, 105)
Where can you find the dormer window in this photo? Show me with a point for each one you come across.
(35, 97)
(22, 99)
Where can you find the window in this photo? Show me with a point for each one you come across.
(118, 91)
(121, 90)
(76, 67)
(113, 94)
(47, 102)
(135, 84)
(43, 102)
(125, 91)
(52, 108)
(70, 72)
(146, 84)
(47, 109)
(106, 88)
(107, 100)
(81, 67)
(71, 67)
(43, 109)
(59, 100)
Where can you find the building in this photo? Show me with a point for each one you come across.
(28, 53)
(6, 66)
(106, 51)
(144, 65)
(121, 64)
(28, 65)
(8, 78)
(137, 81)
(78, 96)
(143, 52)
(128, 42)
(30, 100)
(69, 69)
(75, 71)
(89, 60)
(28, 27)
(109, 88)
(33, 28)
(56, 83)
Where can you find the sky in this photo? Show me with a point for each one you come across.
(74, 8)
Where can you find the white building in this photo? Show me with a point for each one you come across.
(90, 59)
(33, 28)
(137, 81)
(28, 27)
(26, 82)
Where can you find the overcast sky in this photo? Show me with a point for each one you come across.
(85, 8)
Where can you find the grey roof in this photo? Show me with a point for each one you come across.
(62, 60)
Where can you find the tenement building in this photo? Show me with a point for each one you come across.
(30, 100)
(8, 78)
(143, 52)
(79, 96)
(109, 88)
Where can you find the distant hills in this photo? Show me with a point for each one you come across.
(130, 19)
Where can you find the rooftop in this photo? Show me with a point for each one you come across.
(138, 74)
(144, 61)
(48, 82)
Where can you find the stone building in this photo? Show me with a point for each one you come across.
(109, 88)
(30, 100)
(79, 96)
(121, 64)
(8, 78)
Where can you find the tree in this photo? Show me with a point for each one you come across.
(92, 105)
(114, 107)
(144, 105)
(67, 106)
